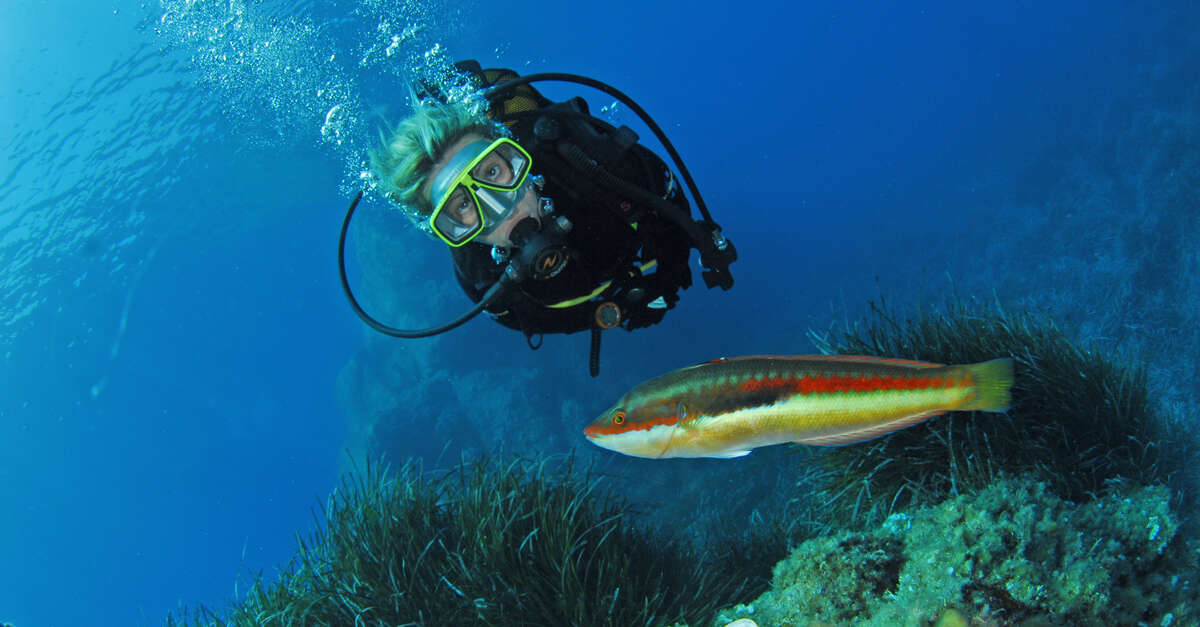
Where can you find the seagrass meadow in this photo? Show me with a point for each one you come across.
(492, 541)
(1083, 417)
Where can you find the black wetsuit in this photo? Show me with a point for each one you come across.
(613, 234)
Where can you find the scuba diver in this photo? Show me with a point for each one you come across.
(556, 221)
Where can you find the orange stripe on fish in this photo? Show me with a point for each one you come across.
(831, 384)
(726, 407)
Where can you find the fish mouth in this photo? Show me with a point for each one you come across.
(605, 443)
(595, 434)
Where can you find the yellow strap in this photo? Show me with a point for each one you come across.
(586, 297)
(646, 267)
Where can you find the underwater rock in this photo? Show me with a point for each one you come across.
(1012, 553)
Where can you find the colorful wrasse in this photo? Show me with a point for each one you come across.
(726, 407)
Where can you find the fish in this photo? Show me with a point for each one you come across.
(726, 407)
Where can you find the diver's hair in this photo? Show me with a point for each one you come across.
(403, 162)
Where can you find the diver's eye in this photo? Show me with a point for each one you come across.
(461, 209)
(619, 418)
(494, 170)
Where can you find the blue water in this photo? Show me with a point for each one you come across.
(181, 378)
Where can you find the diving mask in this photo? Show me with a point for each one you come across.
(478, 189)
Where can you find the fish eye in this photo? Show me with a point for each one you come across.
(619, 418)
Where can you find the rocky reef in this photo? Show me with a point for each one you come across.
(1012, 553)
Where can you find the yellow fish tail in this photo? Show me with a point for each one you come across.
(993, 385)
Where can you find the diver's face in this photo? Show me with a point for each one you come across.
(499, 235)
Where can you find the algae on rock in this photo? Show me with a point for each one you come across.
(1013, 551)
